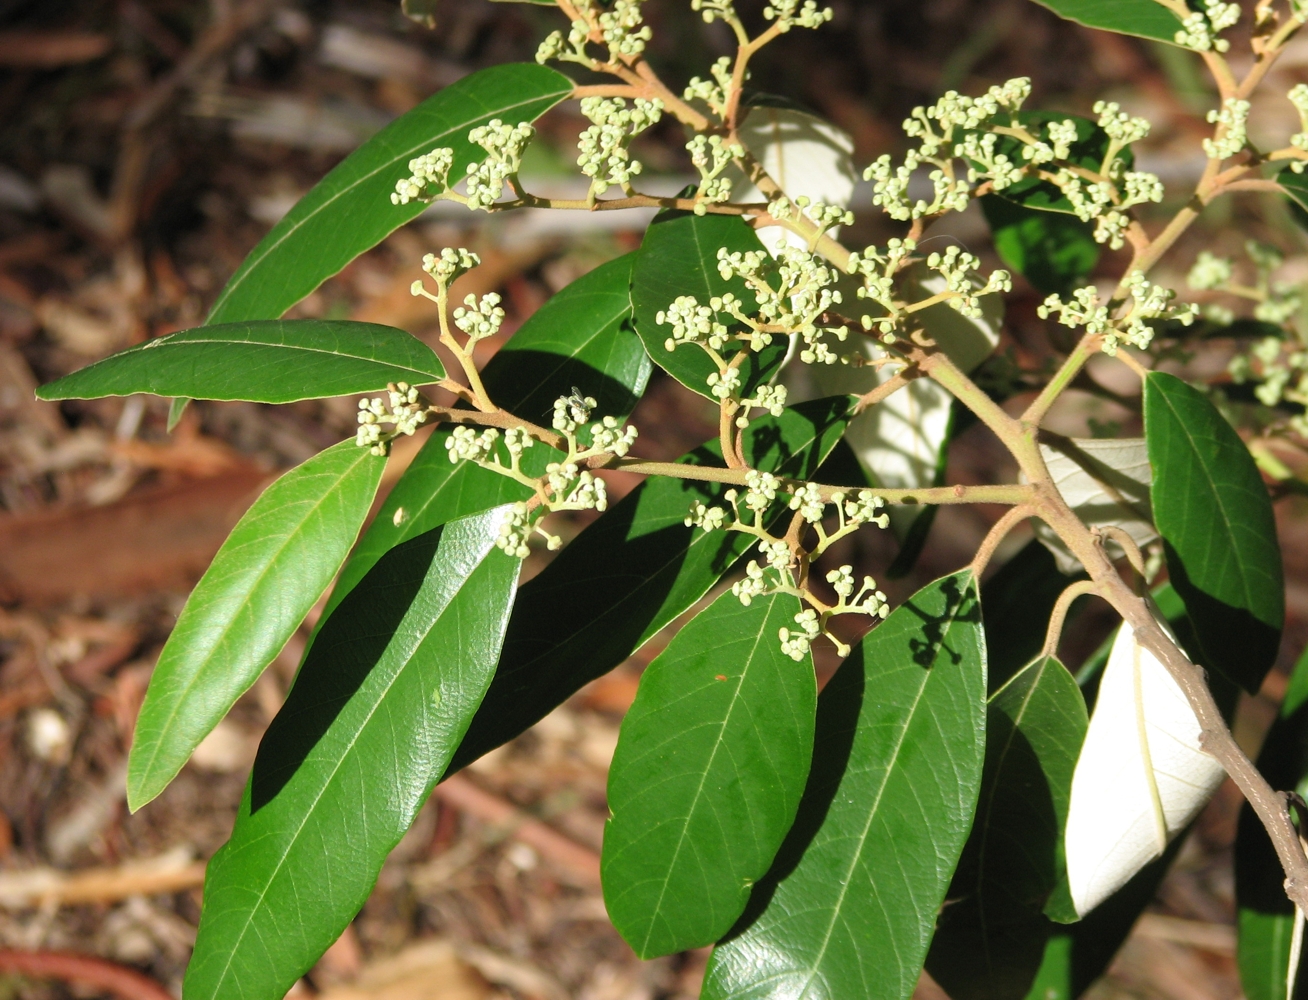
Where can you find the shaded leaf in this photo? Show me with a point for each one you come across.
(679, 256)
(1296, 191)
(276, 361)
(350, 211)
(1144, 18)
(1213, 511)
(991, 937)
(1265, 915)
(849, 906)
(1141, 777)
(1053, 251)
(581, 337)
(273, 567)
(379, 704)
(707, 775)
(640, 567)
(1016, 603)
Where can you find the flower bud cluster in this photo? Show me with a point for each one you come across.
(451, 263)
(1106, 203)
(1121, 128)
(766, 397)
(406, 412)
(504, 146)
(796, 643)
(712, 92)
(570, 412)
(1149, 304)
(878, 269)
(868, 600)
(789, 14)
(711, 10)
(1199, 31)
(1210, 272)
(710, 155)
(693, 323)
(724, 384)
(605, 158)
(1231, 133)
(1298, 96)
(429, 177)
(479, 320)
(959, 268)
(1281, 365)
(620, 26)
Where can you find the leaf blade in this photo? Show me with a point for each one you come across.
(349, 210)
(376, 709)
(829, 920)
(1215, 516)
(1143, 18)
(991, 938)
(707, 775)
(279, 559)
(273, 361)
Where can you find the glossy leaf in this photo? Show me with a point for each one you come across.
(1213, 511)
(350, 211)
(1265, 916)
(1016, 603)
(277, 361)
(1053, 251)
(991, 937)
(850, 904)
(679, 256)
(1141, 777)
(380, 703)
(707, 775)
(640, 567)
(279, 559)
(581, 337)
(1106, 482)
(1295, 186)
(1143, 18)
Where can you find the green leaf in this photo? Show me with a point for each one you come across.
(1088, 151)
(350, 211)
(581, 337)
(380, 702)
(273, 361)
(639, 567)
(1077, 955)
(850, 904)
(1053, 251)
(991, 937)
(1216, 520)
(279, 559)
(1265, 915)
(1016, 603)
(1144, 18)
(707, 775)
(679, 256)
(1295, 186)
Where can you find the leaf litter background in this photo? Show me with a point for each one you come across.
(146, 145)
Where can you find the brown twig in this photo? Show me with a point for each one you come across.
(997, 533)
(70, 967)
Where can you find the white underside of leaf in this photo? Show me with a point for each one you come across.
(1105, 481)
(1141, 776)
(807, 156)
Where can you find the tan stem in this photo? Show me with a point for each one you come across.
(997, 533)
(1059, 614)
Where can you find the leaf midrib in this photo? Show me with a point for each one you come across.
(312, 511)
(340, 762)
(1226, 523)
(699, 790)
(857, 854)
